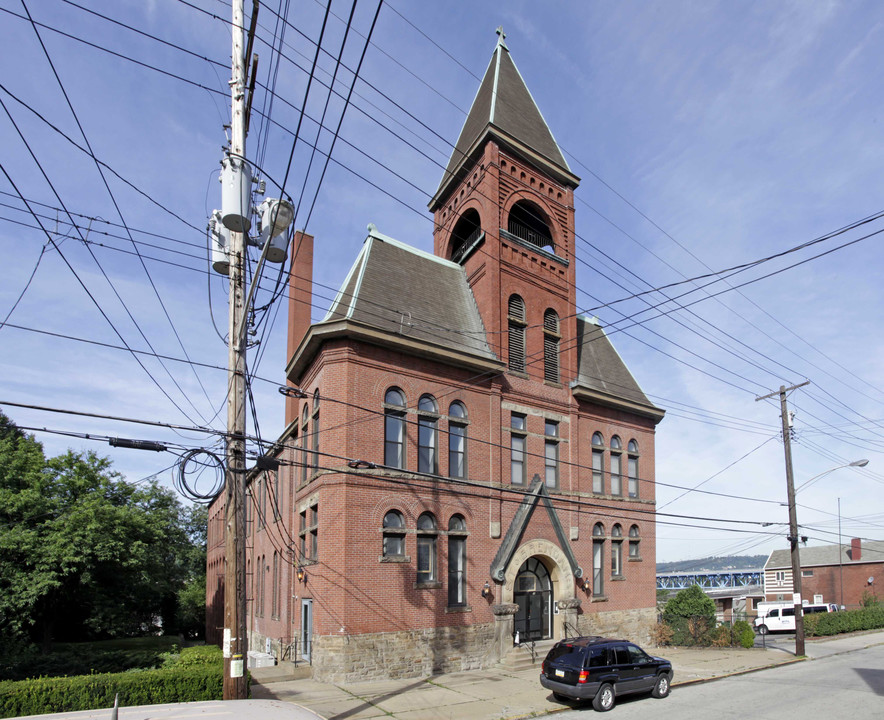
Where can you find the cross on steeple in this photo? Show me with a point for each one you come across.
(501, 35)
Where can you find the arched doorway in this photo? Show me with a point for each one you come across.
(533, 595)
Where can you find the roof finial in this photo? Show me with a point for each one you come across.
(501, 36)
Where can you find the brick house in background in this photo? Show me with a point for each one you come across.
(838, 574)
(467, 461)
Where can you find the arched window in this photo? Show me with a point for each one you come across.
(616, 551)
(394, 534)
(634, 541)
(428, 435)
(457, 440)
(616, 467)
(426, 548)
(465, 235)
(598, 463)
(394, 428)
(598, 560)
(529, 223)
(457, 561)
(632, 467)
(516, 334)
(551, 338)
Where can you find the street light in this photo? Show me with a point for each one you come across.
(855, 463)
(793, 542)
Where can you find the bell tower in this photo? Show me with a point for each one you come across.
(504, 210)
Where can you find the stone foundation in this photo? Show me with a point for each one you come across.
(416, 653)
(634, 625)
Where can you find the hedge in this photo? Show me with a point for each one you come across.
(867, 618)
(90, 692)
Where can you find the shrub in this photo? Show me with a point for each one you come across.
(690, 603)
(92, 657)
(89, 692)
(867, 618)
(661, 634)
(195, 656)
(743, 634)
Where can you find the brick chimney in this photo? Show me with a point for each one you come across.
(300, 303)
(856, 549)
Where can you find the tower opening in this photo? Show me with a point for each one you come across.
(465, 234)
(529, 223)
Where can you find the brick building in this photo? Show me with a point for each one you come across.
(467, 463)
(840, 574)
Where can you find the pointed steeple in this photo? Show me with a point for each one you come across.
(504, 109)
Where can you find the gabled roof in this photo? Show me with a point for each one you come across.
(872, 551)
(536, 493)
(397, 289)
(504, 108)
(603, 377)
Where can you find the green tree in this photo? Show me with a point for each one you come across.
(690, 602)
(691, 616)
(84, 554)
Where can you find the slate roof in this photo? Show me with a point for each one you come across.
(402, 290)
(504, 107)
(872, 552)
(602, 373)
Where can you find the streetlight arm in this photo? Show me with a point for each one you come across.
(855, 463)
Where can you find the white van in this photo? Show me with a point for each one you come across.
(781, 616)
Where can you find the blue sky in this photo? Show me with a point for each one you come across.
(707, 135)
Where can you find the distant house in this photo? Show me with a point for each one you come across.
(829, 573)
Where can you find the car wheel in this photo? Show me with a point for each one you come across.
(661, 687)
(560, 697)
(762, 629)
(604, 699)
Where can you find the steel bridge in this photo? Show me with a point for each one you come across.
(709, 579)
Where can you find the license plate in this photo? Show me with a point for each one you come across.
(560, 673)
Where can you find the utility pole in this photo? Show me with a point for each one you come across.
(235, 640)
(793, 518)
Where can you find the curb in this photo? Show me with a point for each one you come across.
(735, 673)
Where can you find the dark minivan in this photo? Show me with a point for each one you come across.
(600, 669)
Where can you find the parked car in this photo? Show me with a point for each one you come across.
(782, 617)
(601, 669)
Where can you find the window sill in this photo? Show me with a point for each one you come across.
(459, 609)
(633, 559)
(599, 598)
(618, 578)
(433, 585)
(394, 559)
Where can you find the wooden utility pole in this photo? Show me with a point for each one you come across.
(235, 640)
(793, 518)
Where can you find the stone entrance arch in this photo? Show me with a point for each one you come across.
(556, 562)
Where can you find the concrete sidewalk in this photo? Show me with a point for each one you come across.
(497, 694)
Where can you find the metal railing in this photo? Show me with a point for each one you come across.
(291, 650)
(523, 232)
(468, 244)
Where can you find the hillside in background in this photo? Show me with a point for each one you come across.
(728, 562)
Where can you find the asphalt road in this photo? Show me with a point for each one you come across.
(849, 686)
